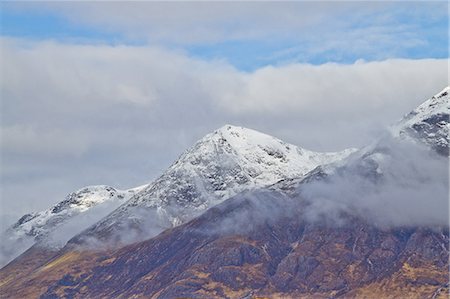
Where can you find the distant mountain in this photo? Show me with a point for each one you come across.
(43, 226)
(228, 161)
(356, 228)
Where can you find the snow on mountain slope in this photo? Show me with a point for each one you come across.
(429, 122)
(44, 225)
(230, 160)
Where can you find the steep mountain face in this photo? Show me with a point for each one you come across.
(41, 226)
(285, 258)
(429, 123)
(220, 165)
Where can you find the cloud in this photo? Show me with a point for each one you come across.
(14, 245)
(248, 211)
(79, 115)
(185, 22)
(395, 183)
(291, 31)
(329, 87)
(27, 139)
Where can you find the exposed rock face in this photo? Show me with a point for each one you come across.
(282, 256)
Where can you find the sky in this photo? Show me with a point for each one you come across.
(113, 92)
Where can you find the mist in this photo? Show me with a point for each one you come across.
(248, 210)
(13, 245)
(393, 183)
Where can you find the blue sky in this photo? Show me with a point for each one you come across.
(342, 32)
(46, 25)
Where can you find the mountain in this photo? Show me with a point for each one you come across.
(281, 256)
(429, 122)
(228, 161)
(221, 164)
(374, 225)
(62, 219)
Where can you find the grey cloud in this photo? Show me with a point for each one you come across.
(393, 183)
(28, 139)
(399, 183)
(77, 224)
(126, 137)
(12, 247)
(363, 86)
(247, 211)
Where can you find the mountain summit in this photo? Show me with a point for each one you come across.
(223, 163)
(429, 122)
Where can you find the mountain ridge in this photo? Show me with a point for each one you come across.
(253, 159)
(306, 236)
(223, 163)
(428, 123)
(36, 227)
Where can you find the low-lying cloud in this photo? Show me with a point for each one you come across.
(391, 184)
(13, 245)
(397, 183)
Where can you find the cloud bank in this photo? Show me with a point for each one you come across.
(392, 184)
(76, 115)
(397, 183)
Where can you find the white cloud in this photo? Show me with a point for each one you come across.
(363, 87)
(411, 188)
(119, 115)
(31, 141)
(310, 29)
(192, 22)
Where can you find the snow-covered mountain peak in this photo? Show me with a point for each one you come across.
(39, 226)
(444, 92)
(260, 159)
(94, 195)
(221, 164)
(241, 137)
(428, 123)
(438, 104)
(245, 140)
(87, 197)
